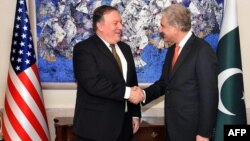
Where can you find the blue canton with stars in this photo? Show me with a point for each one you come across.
(22, 50)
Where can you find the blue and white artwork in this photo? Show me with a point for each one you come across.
(63, 23)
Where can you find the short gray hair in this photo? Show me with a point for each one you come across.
(179, 16)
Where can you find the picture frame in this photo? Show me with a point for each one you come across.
(59, 29)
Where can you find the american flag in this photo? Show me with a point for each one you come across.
(24, 116)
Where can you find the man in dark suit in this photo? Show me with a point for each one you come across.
(105, 72)
(188, 80)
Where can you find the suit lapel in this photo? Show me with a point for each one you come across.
(126, 56)
(124, 52)
(184, 53)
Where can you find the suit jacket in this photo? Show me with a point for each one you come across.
(190, 89)
(100, 104)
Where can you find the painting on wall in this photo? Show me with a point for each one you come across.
(63, 23)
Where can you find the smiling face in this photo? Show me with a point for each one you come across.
(175, 23)
(168, 31)
(110, 27)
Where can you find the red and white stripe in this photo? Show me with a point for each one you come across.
(24, 114)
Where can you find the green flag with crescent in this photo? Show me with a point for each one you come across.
(231, 108)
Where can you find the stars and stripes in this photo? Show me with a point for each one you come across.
(24, 115)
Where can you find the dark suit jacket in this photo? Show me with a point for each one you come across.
(190, 89)
(100, 104)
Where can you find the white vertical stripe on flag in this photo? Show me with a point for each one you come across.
(230, 20)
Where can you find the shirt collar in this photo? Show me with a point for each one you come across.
(106, 43)
(185, 39)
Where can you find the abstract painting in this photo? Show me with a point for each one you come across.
(63, 23)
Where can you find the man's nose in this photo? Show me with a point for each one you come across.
(160, 29)
(120, 26)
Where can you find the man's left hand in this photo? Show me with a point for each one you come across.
(135, 124)
(200, 138)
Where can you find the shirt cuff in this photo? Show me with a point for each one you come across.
(145, 96)
(127, 92)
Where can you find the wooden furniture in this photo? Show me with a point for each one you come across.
(63, 128)
(151, 129)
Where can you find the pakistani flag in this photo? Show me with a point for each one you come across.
(230, 82)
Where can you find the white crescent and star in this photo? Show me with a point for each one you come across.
(222, 77)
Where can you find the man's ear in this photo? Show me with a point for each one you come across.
(99, 26)
(176, 29)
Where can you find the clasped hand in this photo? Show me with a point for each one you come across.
(136, 95)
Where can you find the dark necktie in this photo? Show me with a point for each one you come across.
(176, 54)
(117, 58)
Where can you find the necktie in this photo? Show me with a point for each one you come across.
(176, 54)
(117, 58)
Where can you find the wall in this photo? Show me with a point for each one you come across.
(61, 102)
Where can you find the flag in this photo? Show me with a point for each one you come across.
(231, 109)
(24, 116)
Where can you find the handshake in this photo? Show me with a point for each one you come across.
(137, 95)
